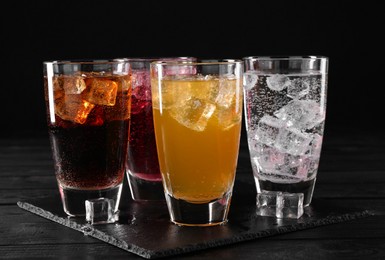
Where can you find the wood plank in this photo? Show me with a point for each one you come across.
(11, 197)
(42, 169)
(27, 182)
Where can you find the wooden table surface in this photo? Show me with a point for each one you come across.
(352, 173)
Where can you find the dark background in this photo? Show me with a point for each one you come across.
(347, 32)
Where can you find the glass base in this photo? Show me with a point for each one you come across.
(143, 190)
(213, 213)
(305, 187)
(74, 200)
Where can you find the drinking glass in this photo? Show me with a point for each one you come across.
(88, 123)
(285, 108)
(197, 118)
(143, 172)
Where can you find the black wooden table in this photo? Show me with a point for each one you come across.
(351, 174)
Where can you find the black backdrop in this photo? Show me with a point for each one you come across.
(348, 33)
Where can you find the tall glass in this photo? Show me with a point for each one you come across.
(197, 119)
(143, 172)
(88, 121)
(285, 104)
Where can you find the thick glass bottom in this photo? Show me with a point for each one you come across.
(184, 213)
(305, 187)
(74, 200)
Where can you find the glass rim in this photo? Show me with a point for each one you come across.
(286, 57)
(85, 61)
(151, 59)
(199, 62)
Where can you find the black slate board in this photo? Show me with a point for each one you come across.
(144, 228)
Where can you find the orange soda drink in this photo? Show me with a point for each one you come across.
(197, 125)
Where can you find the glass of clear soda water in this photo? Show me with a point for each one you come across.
(285, 109)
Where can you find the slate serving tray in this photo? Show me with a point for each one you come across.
(144, 228)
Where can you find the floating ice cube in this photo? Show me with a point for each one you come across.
(298, 88)
(194, 114)
(301, 114)
(280, 204)
(124, 83)
(101, 92)
(210, 89)
(227, 118)
(293, 141)
(268, 159)
(293, 167)
(58, 91)
(250, 79)
(101, 211)
(141, 84)
(318, 118)
(227, 91)
(175, 91)
(278, 82)
(268, 129)
(140, 78)
(280, 166)
(308, 169)
(73, 108)
(73, 84)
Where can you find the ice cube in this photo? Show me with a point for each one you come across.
(210, 89)
(267, 203)
(142, 93)
(227, 118)
(290, 205)
(293, 141)
(308, 169)
(226, 92)
(250, 79)
(73, 84)
(73, 108)
(278, 166)
(172, 92)
(101, 92)
(298, 88)
(268, 159)
(194, 114)
(124, 83)
(318, 118)
(280, 204)
(268, 129)
(58, 91)
(295, 166)
(101, 211)
(278, 82)
(301, 114)
(140, 78)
